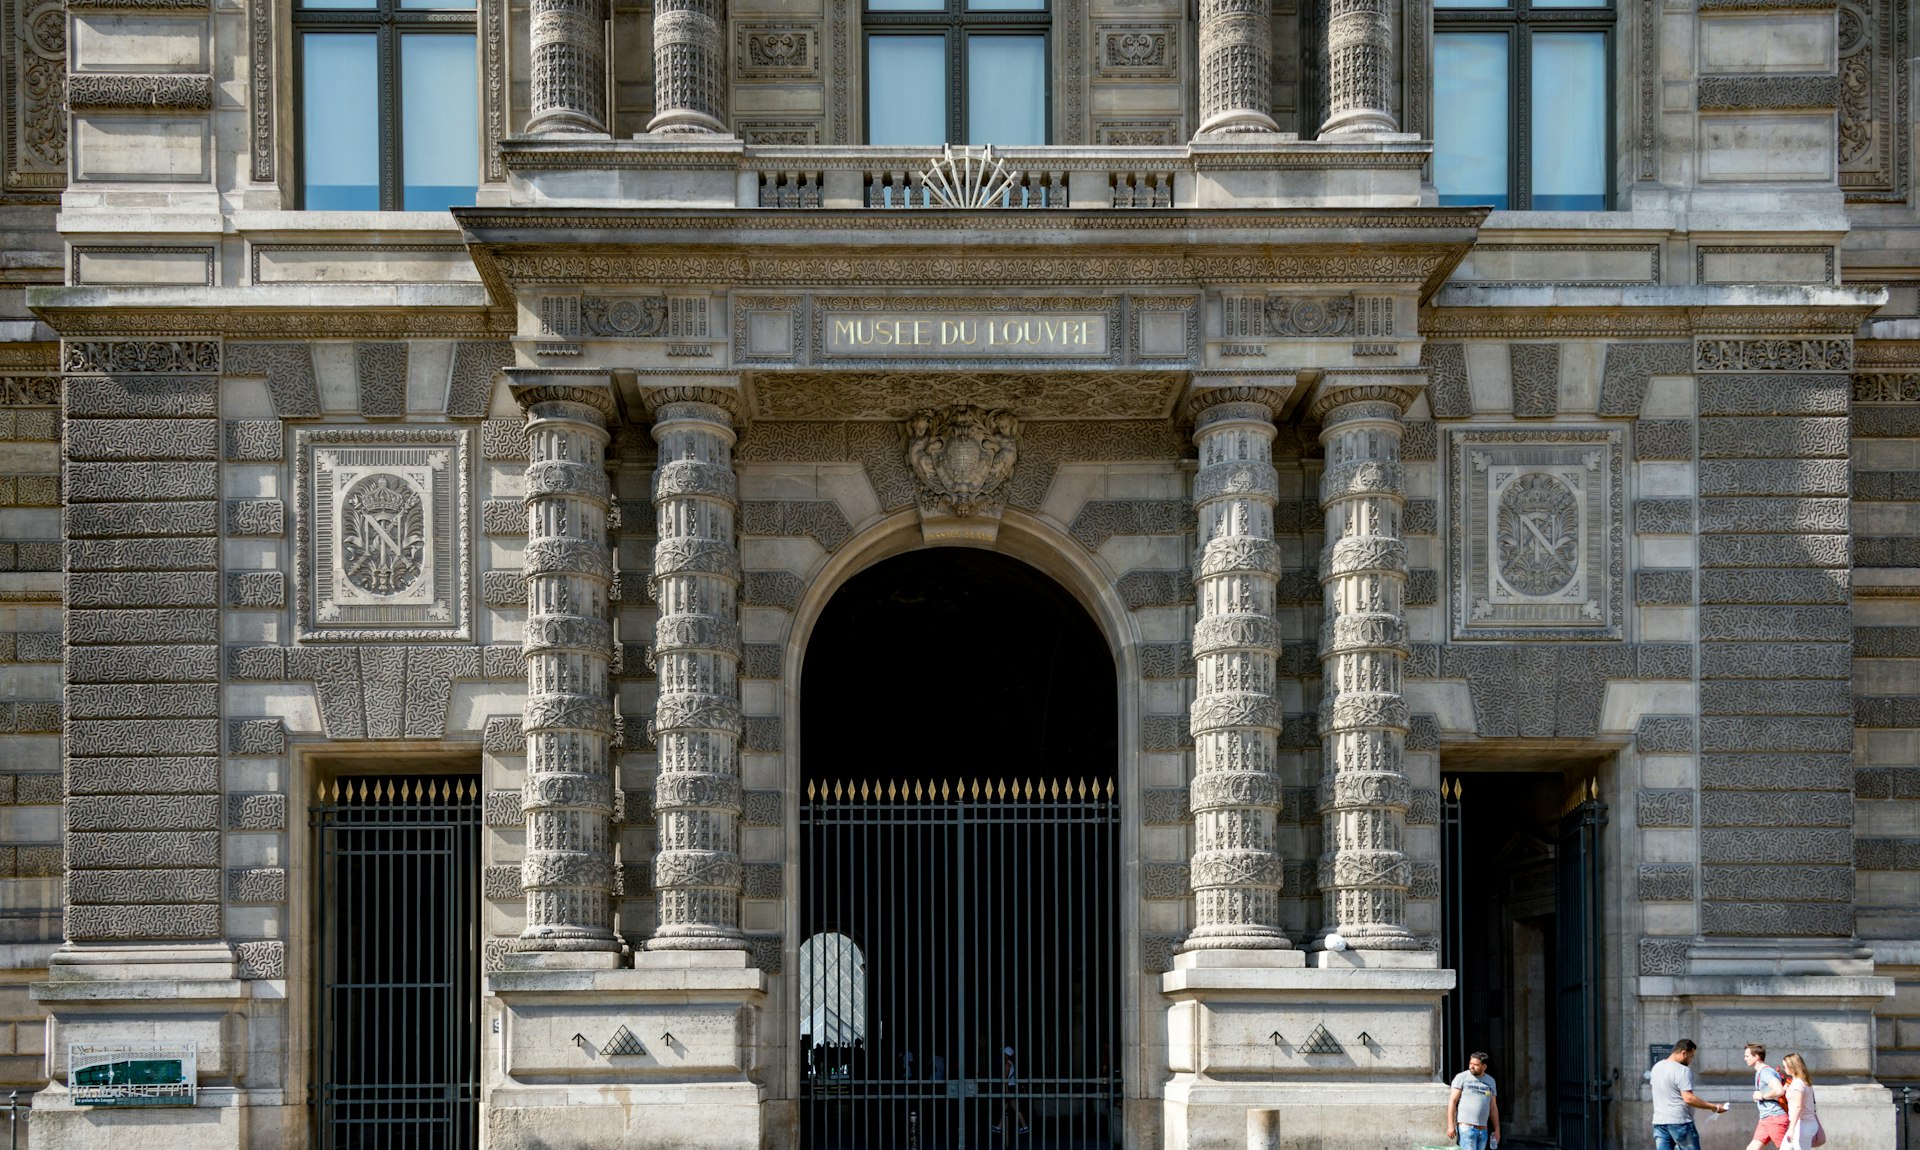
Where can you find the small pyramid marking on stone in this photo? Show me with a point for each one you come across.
(1321, 1042)
(623, 1042)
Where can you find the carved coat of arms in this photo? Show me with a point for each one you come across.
(961, 455)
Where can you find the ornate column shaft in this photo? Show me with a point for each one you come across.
(1236, 644)
(689, 67)
(1364, 792)
(696, 726)
(569, 86)
(1236, 66)
(1360, 68)
(568, 721)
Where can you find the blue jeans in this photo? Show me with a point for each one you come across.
(1676, 1136)
(1473, 1137)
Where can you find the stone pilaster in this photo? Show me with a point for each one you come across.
(1364, 792)
(568, 799)
(696, 582)
(689, 67)
(1360, 67)
(569, 84)
(1236, 66)
(1236, 645)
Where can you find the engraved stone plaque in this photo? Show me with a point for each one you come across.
(1538, 548)
(956, 335)
(382, 533)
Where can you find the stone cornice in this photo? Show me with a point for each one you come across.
(244, 313)
(832, 250)
(1465, 312)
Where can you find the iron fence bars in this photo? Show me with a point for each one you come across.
(396, 901)
(945, 924)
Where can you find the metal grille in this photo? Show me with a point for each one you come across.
(945, 923)
(397, 900)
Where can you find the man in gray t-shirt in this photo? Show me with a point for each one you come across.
(1674, 1100)
(1473, 1109)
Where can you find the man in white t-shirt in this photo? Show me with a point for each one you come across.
(1473, 1109)
(1674, 1100)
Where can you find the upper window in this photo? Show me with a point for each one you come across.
(1522, 103)
(957, 71)
(390, 104)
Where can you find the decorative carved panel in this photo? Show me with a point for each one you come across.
(1539, 545)
(776, 51)
(1147, 51)
(382, 533)
(36, 93)
(1873, 99)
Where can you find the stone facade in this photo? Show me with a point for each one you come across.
(1368, 495)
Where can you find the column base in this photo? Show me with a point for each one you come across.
(659, 1057)
(1346, 1051)
(1202, 1115)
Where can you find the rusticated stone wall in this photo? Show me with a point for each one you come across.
(143, 793)
(1776, 727)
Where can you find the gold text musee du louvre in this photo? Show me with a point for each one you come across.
(982, 335)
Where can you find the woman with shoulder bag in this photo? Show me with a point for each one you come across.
(1803, 1121)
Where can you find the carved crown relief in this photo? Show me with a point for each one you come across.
(961, 457)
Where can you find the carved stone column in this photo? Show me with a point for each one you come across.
(1364, 792)
(1236, 66)
(568, 721)
(569, 88)
(696, 726)
(1236, 644)
(689, 67)
(1360, 67)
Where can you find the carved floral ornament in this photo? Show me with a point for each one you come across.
(961, 455)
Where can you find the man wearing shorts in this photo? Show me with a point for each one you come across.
(1770, 1091)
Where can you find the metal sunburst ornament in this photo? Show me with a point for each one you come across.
(967, 180)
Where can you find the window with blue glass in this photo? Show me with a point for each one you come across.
(1522, 104)
(957, 71)
(389, 104)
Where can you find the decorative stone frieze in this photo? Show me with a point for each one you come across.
(567, 722)
(568, 86)
(1235, 719)
(697, 724)
(1364, 790)
(1360, 67)
(114, 90)
(689, 67)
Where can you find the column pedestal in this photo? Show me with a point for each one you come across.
(1259, 1029)
(659, 1057)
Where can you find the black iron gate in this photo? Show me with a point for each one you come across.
(396, 905)
(946, 924)
(1580, 1016)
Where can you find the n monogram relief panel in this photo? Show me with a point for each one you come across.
(1539, 544)
(382, 533)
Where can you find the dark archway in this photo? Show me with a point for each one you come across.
(954, 663)
(960, 820)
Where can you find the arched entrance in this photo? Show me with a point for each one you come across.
(959, 825)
